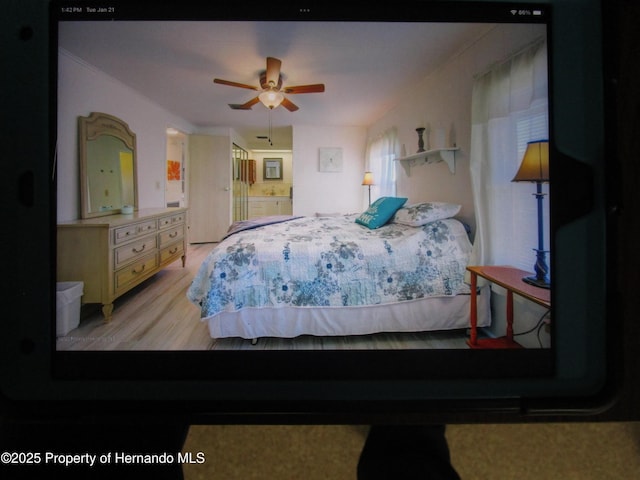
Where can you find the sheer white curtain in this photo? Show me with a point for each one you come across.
(381, 154)
(509, 108)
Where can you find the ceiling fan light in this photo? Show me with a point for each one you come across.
(271, 98)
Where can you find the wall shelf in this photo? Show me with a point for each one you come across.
(448, 155)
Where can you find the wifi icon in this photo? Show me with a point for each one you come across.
(513, 12)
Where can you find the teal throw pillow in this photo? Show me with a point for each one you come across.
(380, 211)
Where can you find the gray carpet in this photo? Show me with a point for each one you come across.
(565, 451)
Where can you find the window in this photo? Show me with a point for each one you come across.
(530, 125)
(381, 155)
(510, 108)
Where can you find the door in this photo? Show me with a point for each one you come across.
(210, 178)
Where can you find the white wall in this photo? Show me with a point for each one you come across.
(315, 191)
(84, 89)
(443, 100)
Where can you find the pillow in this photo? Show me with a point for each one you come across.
(422, 213)
(380, 211)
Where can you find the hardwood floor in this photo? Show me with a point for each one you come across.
(157, 315)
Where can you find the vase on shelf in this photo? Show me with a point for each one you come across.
(420, 131)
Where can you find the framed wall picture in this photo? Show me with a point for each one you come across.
(272, 169)
(330, 159)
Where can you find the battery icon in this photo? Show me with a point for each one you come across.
(537, 12)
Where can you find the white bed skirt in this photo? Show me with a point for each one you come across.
(426, 314)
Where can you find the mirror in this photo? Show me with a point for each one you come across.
(272, 169)
(108, 178)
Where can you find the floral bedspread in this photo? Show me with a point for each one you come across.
(331, 261)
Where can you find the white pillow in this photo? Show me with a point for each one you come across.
(420, 214)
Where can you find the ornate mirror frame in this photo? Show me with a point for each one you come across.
(91, 129)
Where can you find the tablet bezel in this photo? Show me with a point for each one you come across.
(583, 381)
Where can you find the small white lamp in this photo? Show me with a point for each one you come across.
(368, 181)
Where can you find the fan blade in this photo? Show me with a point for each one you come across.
(233, 84)
(289, 105)
(273, 71)
(245, 106)
(316, 88)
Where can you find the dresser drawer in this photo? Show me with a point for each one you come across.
(135, 271)
(126, 253)
(171, 235)
(146, 227)
(169, 220)
(124, 233)
(171, 251)
(128, 232)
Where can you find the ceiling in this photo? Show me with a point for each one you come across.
(364, 67)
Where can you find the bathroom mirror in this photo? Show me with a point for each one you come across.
(272, 169)
(107, 151)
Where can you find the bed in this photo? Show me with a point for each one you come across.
(288, 276)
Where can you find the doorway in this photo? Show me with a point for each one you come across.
(174, 190)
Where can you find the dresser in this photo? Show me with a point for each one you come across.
(113, 254)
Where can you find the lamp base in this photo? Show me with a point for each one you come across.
(541, 277)
(536, 282)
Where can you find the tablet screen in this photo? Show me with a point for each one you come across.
(320, 195)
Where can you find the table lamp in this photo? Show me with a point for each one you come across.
(368, 180)
(535, 168)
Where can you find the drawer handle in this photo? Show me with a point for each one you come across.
(138, 271)
(173, 235)
(141, 250)
(171, 252)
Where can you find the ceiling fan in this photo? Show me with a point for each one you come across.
(271, 89)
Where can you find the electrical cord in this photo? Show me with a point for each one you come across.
(538, 327)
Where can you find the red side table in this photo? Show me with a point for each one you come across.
(509, 278)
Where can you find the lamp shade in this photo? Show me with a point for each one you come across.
(271, 98)
(535, 163)
(368, 178)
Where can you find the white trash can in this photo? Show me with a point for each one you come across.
(68, 295)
